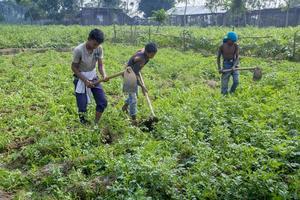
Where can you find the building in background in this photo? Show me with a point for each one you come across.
(195, 15)
(273, 17)
(103, 16)
(201, 16)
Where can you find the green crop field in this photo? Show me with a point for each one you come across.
(276, 43)
(205, 145)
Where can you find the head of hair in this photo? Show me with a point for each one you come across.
(151, 48)
(97, 35)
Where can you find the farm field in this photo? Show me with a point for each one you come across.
(205, 146)
(276, 43)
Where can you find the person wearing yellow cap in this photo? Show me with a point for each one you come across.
(229, 51)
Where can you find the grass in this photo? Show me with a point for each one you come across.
(244, 146)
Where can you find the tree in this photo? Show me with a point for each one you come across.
(148, 6)
(186, 2)
(128, 7)
(288, 4)
(54, 9)
(212, 5)
(34, 12)
(259, 5)
(106, 3)
(71, 5)
(160, 16)
(112, 3)
(237, 9)
(215, 5)
(81, 3)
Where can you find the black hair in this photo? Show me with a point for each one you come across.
(151, 48)
(97, 35)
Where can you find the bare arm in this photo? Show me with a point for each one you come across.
(75, 69)
(219, 58)
(101, 68)
(140, 60)
(142, 84)
(237, 57)
(75, 64)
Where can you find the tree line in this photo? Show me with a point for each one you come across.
(59, 9)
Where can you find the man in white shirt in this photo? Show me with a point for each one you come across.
(85, 58)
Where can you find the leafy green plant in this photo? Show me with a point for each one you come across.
(160, 16)
(205, 145)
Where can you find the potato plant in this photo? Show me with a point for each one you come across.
(205, 146)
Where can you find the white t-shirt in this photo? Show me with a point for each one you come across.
(87, 61)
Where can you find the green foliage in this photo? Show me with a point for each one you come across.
(279, 43)
(148, 7)
(54, 9)
(160, 16)
(205, 146)
(106, 3)
(238, 4)
(290, 3)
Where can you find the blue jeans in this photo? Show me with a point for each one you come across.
(226, 77)
(132, 102)
(99, 96)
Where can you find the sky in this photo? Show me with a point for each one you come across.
(192, 3)
(195, 3)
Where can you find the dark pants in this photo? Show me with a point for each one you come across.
(225, 81)
(226, 76)
(99, 96)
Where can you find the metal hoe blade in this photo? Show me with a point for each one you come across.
(129, 81)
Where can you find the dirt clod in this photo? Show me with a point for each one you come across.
(18, 143)
(5, 195)
(212, 84)
(108, 136)
(149, 124)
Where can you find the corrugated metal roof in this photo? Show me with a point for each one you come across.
(297, 6)
(192, 10)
